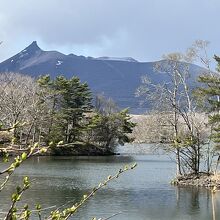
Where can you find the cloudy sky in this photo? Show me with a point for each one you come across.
(142, 29)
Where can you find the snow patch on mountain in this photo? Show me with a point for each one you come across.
(126, 59)
(59, 62)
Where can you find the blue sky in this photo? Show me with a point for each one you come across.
(142, 29)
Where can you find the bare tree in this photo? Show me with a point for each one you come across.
(20, 105)
(175, 104)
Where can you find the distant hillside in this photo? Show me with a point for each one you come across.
(117, 78)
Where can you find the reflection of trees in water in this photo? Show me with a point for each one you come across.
(188, 199)
(79, 160)
(196, 201)
(208, 200)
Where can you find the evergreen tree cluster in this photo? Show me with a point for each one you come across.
(58, 112)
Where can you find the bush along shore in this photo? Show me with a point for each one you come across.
(207, 180)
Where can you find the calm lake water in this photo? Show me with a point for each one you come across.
(141, 194)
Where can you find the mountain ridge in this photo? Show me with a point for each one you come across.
(117, 78)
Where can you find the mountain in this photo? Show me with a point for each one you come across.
(117, 78)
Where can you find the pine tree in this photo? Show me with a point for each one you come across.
(69, 100)
(211, 95)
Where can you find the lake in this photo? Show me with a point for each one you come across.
(140, 194)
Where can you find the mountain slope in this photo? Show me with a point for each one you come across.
(117, 78)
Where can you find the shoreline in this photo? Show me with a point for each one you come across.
(205, 180)
(70, 150)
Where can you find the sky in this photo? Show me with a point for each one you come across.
(142, 29)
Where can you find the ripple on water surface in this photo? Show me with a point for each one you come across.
(141, 194)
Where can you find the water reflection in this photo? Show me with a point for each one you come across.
(141, 194)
